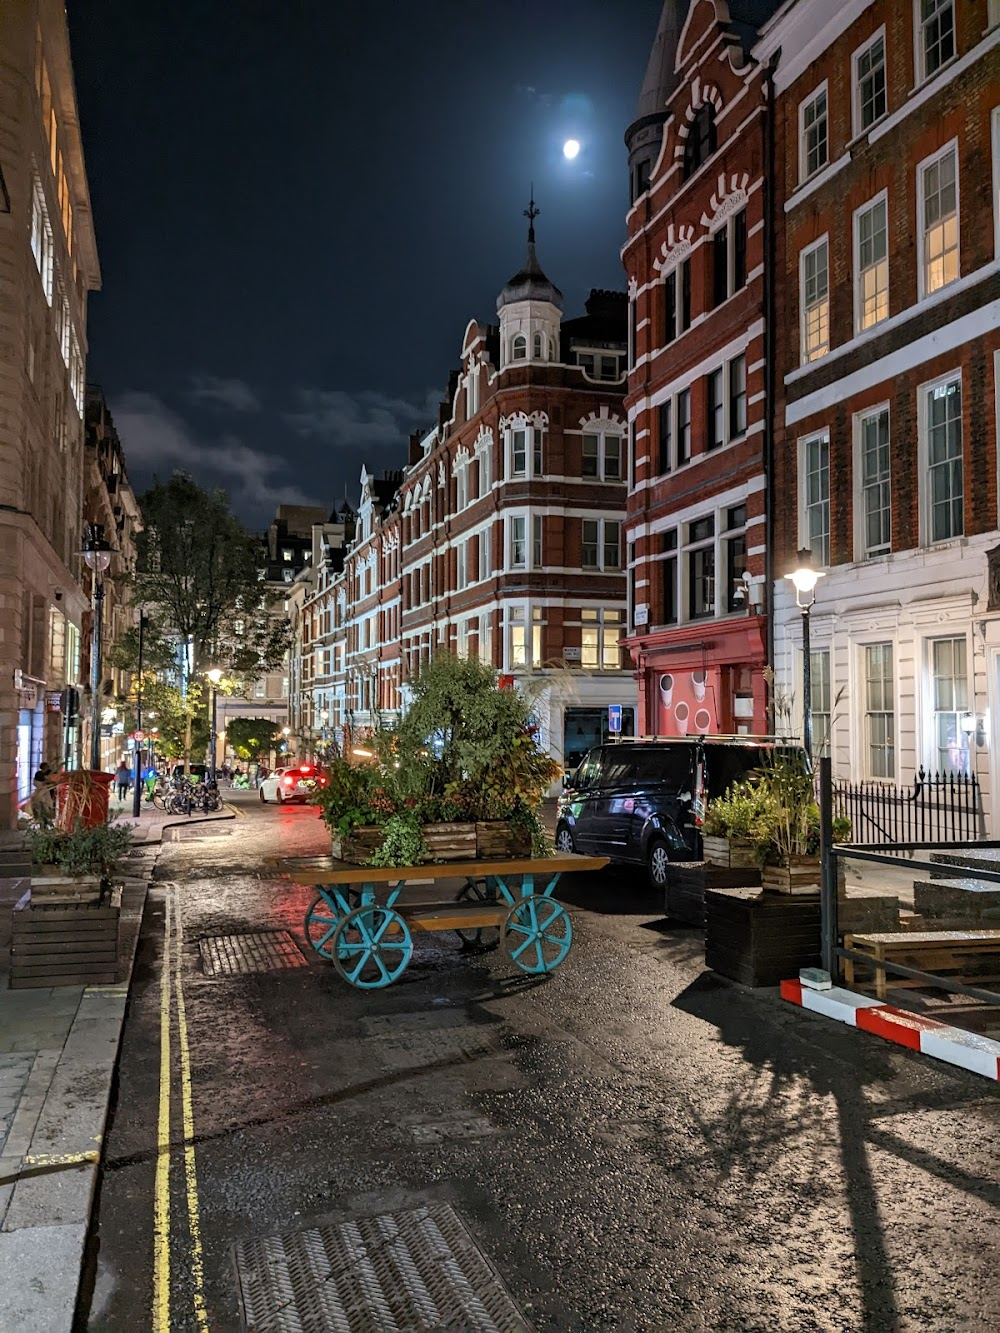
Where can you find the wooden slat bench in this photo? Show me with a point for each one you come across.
(942, 951)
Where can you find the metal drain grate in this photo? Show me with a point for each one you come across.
(407, 1050)
(394, 1273)
(259, 951)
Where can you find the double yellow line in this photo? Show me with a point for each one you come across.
(172, 990)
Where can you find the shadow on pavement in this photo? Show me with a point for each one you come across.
(612, 892)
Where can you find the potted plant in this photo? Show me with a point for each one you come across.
(732, 826)
(76, 865)
(460, 778)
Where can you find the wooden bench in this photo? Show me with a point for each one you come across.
(941, 951)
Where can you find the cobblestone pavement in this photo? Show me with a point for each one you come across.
(631, 1145)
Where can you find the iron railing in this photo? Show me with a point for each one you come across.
(937, 807)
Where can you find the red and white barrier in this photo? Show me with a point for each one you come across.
(927, 1035)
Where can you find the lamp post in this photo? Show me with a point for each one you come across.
(137, 776)
(324, 718)
(97, 557)
(286, 732)
(804, 579)
(214, 676)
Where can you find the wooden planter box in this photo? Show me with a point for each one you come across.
(688, 881)
(730, 853)
(71, 944)
(55, 889)
(760, 939)
(487, 841)
(801, 875)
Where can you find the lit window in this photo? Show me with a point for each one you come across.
(950, 699)
(872, 263)
(880, 712)
(814, 134)
(939, 221)
(876, 512)
(815, 490)
(518, 632)
(869, 83)
(518, 543)
(815, 281)
(936, 39)
(286, 554)
(945, 480)
(599, 634)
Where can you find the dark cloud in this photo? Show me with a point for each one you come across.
(232, 394)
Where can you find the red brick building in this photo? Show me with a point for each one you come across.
(694, 261)
(887, 345)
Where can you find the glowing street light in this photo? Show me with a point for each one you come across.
(804, 580)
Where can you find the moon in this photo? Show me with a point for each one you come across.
(570, 148)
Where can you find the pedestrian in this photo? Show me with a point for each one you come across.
(43, 804)
(123, 780)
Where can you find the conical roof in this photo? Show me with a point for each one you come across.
(529, 283)
(661, 79)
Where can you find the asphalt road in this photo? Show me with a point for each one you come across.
(633, 1143)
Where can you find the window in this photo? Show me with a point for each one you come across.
(537, 625)
(640, 179)
(612, 544)
(259, 689)
(485, 563)
(485, 470)
(669, 604)
(536, 541)
(938, 214)
(632, 451)
(813, 140)
(735, 538)
(815, 465)
(720, 265)
(729, 258)
(815, 280)
(613, 458)
(684, 426)
(700, 142)
(701, 568)
(287, 554)
(950, 703)
(715, 410)
(519, 348)
(601, 544)
(685, 295)
(519, 453)
(670, 307)
(880, 716)
(518, 635)
(462, 483)
(869, 83)
(738, 250)
(41, 241)
(737, 397)
(599, 650)
(876, 514)
(936, 36)
(871, 264)
(591, 549)
(633, 331)
(518, 543)
(462, 565)
(288, 575)
(602, 456)
(536, 452)
(820, 698)
(945, 481)
(537, 347)
(664, 418)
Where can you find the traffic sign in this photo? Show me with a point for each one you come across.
(138, 735)
(615, 718)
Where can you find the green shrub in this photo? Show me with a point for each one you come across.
(402, 843)
(85, 852)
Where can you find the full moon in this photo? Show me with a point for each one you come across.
(570, 148)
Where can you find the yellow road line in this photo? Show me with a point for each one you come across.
(190, 1170)
(161, 1207)
(62, 1158)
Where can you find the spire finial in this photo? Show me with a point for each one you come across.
(531, 212)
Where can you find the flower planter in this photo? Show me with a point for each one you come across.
(730, 853)
(49, 887)
(490, 840)
(64, 943)
(758, 938)
(800, 874)
(689, 881)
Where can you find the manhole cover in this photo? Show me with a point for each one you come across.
(394, 1273)
(431, 1133)
(258, 951)
(407, 1049)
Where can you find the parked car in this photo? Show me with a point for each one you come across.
(295, 783)
(196, 772)
(641, 803)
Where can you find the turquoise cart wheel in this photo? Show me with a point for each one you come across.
(320, 926)
(371, 947)
(538, 934)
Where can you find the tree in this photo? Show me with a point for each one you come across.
(251, 737)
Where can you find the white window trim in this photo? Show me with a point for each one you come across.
(806, 250)
(860, 553)
(508, 559)
(919, 76)
(856, 125)
(860, 693)
(623, 459)
(804, 104)
(950, 147)
(923, 454)
(925, 738)
(601, 567)
(881, 197)
(802, 444)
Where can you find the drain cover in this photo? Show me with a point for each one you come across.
(394, 1273)
(259, 951)
(406, 1050)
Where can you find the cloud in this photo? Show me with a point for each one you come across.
(157, 440)
(231, 394)
(358, 421)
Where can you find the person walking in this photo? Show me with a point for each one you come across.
(43, 804)
(123, 780)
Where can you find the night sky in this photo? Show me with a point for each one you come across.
(300, 204)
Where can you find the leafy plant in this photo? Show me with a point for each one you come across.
(741, 813)
(84, 852)
(402, 843)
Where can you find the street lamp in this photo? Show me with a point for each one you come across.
(97, 557)
(286, 732)
(214, 675)
(324, 718)
(804, 580)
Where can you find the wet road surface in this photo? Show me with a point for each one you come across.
(633, 1144)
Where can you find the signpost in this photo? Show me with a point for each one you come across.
(615, 719)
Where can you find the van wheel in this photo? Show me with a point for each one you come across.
(564, 840)
(657, 862)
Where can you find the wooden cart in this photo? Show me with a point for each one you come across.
(369, 939)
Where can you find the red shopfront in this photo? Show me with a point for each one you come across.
(707, 679)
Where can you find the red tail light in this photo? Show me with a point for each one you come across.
(288, 781)
(304, 768)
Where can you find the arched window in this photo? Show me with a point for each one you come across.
(537, 351)
(700, 143)
(519, 348)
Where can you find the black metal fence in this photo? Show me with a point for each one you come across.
(937, 807)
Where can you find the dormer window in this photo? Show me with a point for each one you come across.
(700, 143)
(286, 554)
(519, 348)
(537, 347)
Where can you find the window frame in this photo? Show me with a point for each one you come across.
(804, 507)
(601, 546)
(513, 541)
(921, 72)
(925, 391)
(932, 749)
(951, 147)
(856, 102)
(730, 225)
(882, 198)
(695, 547)
(821, 90)
(862, 551)
(867, 712)
(821, 242)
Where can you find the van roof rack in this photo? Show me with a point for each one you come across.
(713, 736)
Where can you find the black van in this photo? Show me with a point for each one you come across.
(642, 803)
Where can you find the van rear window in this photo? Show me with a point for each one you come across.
(726, 764)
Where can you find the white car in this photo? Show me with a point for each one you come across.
(296, 783)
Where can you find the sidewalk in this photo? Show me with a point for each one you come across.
(58, 1050)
